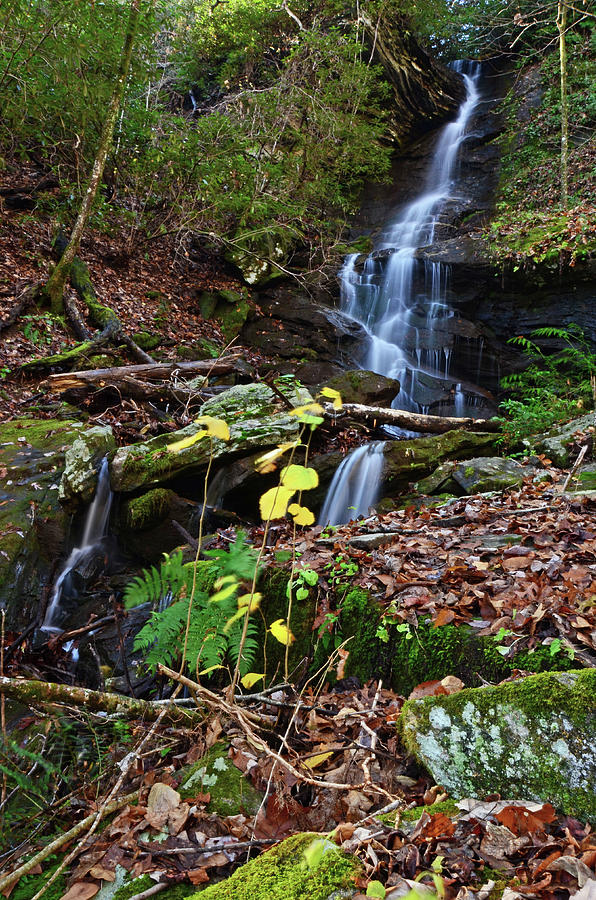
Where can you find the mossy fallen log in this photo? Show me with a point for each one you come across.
(42, 693)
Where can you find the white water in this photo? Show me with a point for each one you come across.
(400, 320)
(96, 526)
(355, 485)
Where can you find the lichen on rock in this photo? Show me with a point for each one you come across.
(530, 739)
(81, 461)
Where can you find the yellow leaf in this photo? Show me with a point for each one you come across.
(210, 669)
(177, 446)
(225, 579)
(266, 463)
(281, 632)
(301, 514)
(225, 592)
(274, 502)
(215, 427)
(314, 408)
(251, 678)
(333, 395)
(299, 478)
(313, 761)
(253, 599)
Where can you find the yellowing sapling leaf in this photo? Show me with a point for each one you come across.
(309, 414)
(281, 632)
(317, 760)
(274, 502)
(335, 396)
(251, 679)
(224, 593)
(266, 463)
(215, 427)
(253, 599)
(177, 446)
(301, 514)
(299, 478)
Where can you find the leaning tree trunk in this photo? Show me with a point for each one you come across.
(55, 286)
(562, 27)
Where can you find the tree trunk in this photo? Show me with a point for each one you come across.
(57, 280)
(562, 27)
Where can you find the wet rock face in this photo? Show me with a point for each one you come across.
(81, 461)
(304, 334)
(32, 522)
(531, 739)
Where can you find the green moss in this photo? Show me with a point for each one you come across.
(447, 807)
(284, 874)
(146, 340)
(29, 885)
(428, 653)
(215, 773)
(274, 606)
(148, 509)
(143, 882)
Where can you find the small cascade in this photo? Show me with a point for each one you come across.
(402, 304)
(355, 485)
(95, 529)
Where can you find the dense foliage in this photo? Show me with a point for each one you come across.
(241, 120)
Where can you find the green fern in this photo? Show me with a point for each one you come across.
(211, 639)
(154, 585)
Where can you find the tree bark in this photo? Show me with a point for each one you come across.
(160, 371)
(57, 280)
(562, 28)
(409, 420)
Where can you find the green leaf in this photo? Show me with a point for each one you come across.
(376, 889)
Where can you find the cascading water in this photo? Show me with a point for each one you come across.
(355, 485)
(96, 526)
(405, 321)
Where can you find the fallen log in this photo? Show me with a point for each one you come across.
(67, 381)
(42, 693)
(409, 420)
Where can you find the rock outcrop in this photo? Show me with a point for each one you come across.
(531, 739)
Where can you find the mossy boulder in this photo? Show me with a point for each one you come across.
(558, 442)
(360, 386)
(229, 308)
(32, 521)
(145, 523)
(229, 789)
(81, 463)
(475, 476)
(533, 739)
(304, 865)
(257, 418)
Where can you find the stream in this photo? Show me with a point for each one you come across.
(401, 302)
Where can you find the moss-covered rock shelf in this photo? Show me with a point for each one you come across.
(531, 739)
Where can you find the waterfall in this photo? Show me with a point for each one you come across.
(95, 528)
(402, 320)
(355, 485)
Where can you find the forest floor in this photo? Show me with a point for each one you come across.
(339, 761)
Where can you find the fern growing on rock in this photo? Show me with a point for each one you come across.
(216, 621)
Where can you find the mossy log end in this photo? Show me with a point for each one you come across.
(36, 693)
